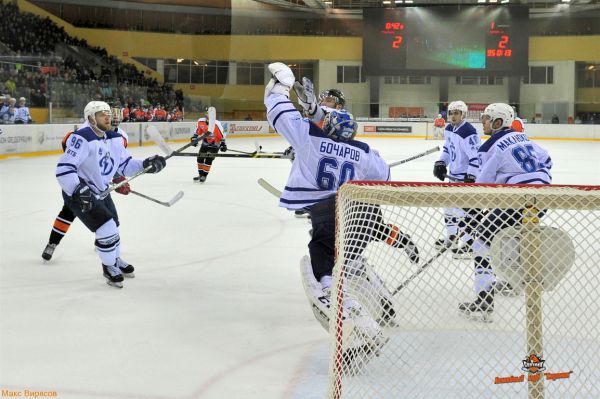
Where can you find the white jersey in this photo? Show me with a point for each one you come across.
(321, 165)
(22, 114)
(94, 160)
(460, 151)
(508, 157)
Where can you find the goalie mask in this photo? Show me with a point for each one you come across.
(340, 125)
(499, 116)
(116, 115)
(333, 95)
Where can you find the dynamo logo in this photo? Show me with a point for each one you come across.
(106, 164)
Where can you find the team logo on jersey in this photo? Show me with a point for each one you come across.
(106, 164)
(533, 364)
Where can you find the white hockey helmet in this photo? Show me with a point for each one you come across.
(439, 115)
(501, 111)
(95, 106)
(458, 106)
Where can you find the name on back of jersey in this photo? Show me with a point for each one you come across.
(517, 138)
(339, 150)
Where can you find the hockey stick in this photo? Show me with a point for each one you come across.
(267, 186)
(421, 269)
(173, 200)
(106, 192)
(430, 151)
(247, 155)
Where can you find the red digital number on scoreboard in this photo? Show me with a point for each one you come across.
(502, 48)
(392, 28)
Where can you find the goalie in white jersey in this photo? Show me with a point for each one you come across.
(93, 155)
(325, 159)
(507, 157)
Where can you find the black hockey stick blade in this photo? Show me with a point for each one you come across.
(421, 269)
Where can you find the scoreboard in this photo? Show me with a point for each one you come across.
(446, 40)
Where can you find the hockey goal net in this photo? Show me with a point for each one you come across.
(539, 336)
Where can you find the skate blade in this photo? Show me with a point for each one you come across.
(481, 317)
(468, 256)
(114, 284)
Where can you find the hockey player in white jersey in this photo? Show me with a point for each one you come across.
(65, 217)
(93, 155)
(507, 157)
(458, 163)
(325, 159)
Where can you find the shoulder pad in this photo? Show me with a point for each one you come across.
(87, 133)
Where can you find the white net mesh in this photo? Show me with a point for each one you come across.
(450, 325)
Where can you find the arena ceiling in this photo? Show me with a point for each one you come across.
(319, 5)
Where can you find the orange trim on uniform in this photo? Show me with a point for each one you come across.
(203, 167)
(64, 141)
(395, 231)
(62, 226)
(517, 126)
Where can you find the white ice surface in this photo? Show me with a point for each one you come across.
(216, 309)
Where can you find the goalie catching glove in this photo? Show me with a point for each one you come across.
(306, 96)
(223, 146)
(282, 80)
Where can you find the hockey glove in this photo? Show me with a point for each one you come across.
(282, 81)
(223, 147)
(195, 139)
(289, 153)
(306, 96)
(469, 179)
(156, 163)
(125, 188)
(439, 170)
(84, 197)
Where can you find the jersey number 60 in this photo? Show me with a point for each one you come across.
(331, 176)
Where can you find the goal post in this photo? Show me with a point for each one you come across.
(539, 340)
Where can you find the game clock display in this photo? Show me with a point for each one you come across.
(446, 40)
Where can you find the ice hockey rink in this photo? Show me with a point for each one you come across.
(216, 309)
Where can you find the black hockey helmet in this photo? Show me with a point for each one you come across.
(337, 95)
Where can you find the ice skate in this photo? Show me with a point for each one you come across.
(449, 242)
(504, 288)
(127, 270)
(113, 275)
(199, 179)
(48, 251)
(301, 213)
(479, 310)
(463, 252)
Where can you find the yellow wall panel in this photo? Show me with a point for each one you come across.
(564, 48)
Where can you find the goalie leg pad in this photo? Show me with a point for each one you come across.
(363, 338)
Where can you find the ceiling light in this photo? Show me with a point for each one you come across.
(504, 1)
(481, 1)
(398, 1)
(408, 1)
(493, 1)
(566, 1)
(387, 2)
